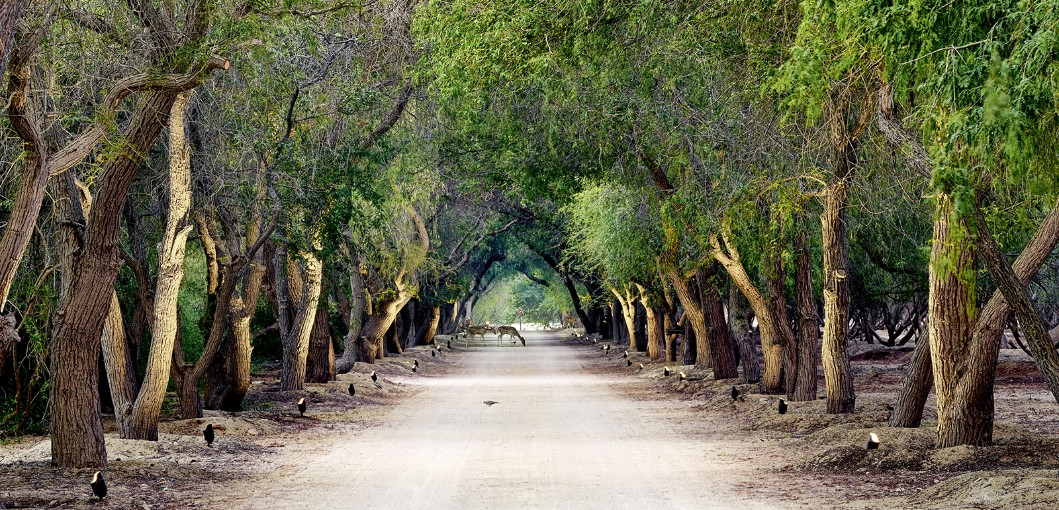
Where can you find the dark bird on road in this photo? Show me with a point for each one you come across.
(735, 393)
(301, 406)
(641, 366)
(628, 362)
(665, 371)
(873, 441)
(352, 390)
(208, 434)
(99, 486)
(683, 376)
(782, 407)
(490, 402)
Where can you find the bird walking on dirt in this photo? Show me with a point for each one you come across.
(208, 435)
(490, 402)
(873, 441)
(99, 486)
(782, 407)
(352, 390)
(301, 406)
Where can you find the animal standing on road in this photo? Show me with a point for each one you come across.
(208, 435)
(510, 331)
(782, 407)
(301, 406)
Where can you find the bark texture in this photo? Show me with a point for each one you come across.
(808, 351)
(838, 377)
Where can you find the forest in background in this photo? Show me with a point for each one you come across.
(195, 187)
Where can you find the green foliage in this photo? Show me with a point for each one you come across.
(614, 231)
(195, 319)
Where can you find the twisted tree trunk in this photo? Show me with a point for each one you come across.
(296, 339)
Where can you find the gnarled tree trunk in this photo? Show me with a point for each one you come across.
(628, 312)
(296, 339)
(771, 340)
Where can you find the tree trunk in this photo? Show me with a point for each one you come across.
(838, 377)
(77, 433)
(119, 367)
(432, 326)
(1033, 327)
(320, 364)
(373, 330)
(628, 312)
(720, 342)
(296, 341)
(689, 299)
(771, 347)
(808, 352)
(787, 350)
(143, 420)
(951, 310)
(655, 331)
(741, 331)
(908, 411)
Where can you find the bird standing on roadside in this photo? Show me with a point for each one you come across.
(208, 435)
(735, 394)
(782, 407)
(490, 402)
(352, 390)
(873, 441)
(99, 486)
(301, 406)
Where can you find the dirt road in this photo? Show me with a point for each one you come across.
(559, 437)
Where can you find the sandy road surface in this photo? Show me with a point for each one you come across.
(559, 437)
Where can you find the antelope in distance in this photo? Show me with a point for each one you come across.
(510, 331)
(472, 331)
